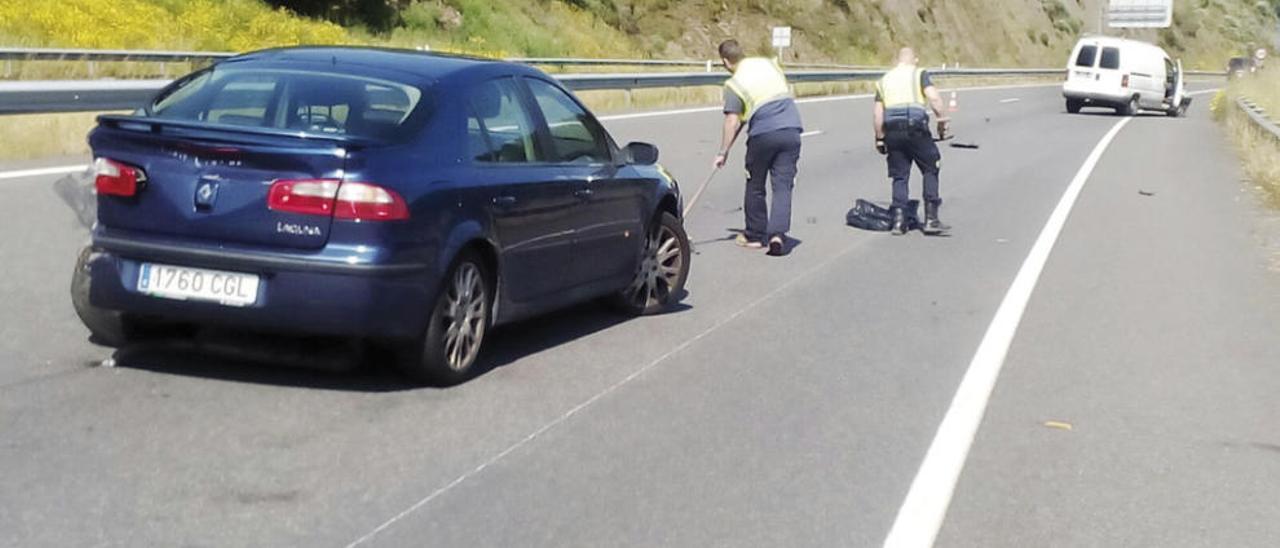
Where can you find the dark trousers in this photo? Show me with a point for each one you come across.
(908, 147)
(771, 156)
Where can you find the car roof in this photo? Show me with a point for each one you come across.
(1115, 41)
(421, 64)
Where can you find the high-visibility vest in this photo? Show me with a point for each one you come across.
(900, 89)
(758, 81)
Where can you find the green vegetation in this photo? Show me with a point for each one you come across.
(216, 25)
(1259, 150)
(972, 32)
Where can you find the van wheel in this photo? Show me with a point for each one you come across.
(448, 352)
(664, 268)
(1132, 108)
(1178, 111)
(1074, 106)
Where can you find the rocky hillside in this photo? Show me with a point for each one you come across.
(972, 32)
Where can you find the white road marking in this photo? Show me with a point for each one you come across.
(59, 170)
(607, 391)
(922, 513)
(1011, 100)
(813, 133)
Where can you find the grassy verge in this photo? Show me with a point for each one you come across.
(35, 136)
(1259, 150)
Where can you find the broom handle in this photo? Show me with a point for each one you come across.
(689, 207)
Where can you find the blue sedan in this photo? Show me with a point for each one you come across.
(395, 196)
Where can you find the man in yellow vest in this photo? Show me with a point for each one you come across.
(758, 95)
(903, 100)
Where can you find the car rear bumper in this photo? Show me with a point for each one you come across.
(1097, 99)
(294, 295)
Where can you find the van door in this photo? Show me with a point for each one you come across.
(1111, 79)
(1081, 74)
(1179, 86)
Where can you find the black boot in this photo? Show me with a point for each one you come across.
(899, 222)
(932, 226)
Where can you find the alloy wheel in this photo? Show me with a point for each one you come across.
(466, 315)
(660, 269)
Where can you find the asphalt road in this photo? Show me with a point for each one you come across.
(789, 403)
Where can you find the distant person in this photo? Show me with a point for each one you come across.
(758, 95)
(903, 100)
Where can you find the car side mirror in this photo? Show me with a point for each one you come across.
(641, 153)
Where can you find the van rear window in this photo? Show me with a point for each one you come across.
(312, 102)
(1110, 58)
(1088, 55)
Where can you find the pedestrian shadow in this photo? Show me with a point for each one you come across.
(789, 245)
(709, 241)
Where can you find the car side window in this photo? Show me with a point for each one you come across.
(499, 129)
(575, 135)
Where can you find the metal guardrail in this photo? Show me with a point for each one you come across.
(48, 54)
(1259, 116)
(36, 96)
(31, 97)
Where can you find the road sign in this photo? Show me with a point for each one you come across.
(1142, 14)
(781, 37)
(1261, 54)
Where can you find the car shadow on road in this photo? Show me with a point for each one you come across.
(526, 338)
(325, 363)
(254, 358)
(1110, 114)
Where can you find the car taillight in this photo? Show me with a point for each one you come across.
(112, 178)
(368, 202)
(348, 201)
(307, 197)
(1124, 81)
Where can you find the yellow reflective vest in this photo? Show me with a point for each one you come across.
(900, 88)
(758, 81)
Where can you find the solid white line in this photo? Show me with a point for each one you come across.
(1007, 101)
(607, 391)
(925, 507)
(658, 113)
(813, 133)
(812, 100)
(41, 171)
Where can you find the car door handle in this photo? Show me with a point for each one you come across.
(504, 201)
(584, 194)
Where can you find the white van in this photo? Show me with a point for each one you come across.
(1126, 75)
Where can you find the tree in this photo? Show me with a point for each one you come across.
(379, 15)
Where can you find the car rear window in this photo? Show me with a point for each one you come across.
(1110, 58)
(312, 102)
(1087, 56)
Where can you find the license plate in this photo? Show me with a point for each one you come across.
(197, 284)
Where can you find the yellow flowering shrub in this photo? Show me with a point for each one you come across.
(213, 25)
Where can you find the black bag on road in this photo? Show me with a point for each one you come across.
(869, 216)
